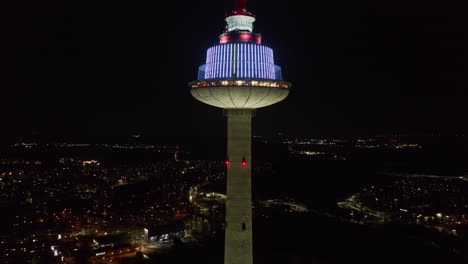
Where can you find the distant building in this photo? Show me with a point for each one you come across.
(110, 240)
(161, 233)
(112, 245)
(114, 250)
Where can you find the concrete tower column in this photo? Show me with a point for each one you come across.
(238, 240)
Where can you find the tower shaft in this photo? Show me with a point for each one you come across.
(238, 234)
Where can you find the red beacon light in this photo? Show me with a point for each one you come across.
(244, 163)
(240, 6)
(227, 162)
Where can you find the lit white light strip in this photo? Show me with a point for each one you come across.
(273, 75)
(249, 59)
(252, 59)
(272, 64)
(246, 73)
(218, 62)
(262, 73)
(240, 60)
(259, 59)
(223, 62)
(208, 56)
(213, 52)
(237, 59)
(210, 72)
(229, 59)
(267, 66)
(262, 64)
(241, 64)
(234, 58)
(254, 62)
(215, 62)
(226, 62)
(212, 63)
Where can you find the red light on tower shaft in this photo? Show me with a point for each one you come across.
(244, 163)
(227, 162)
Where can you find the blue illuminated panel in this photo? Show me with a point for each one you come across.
(240, 60)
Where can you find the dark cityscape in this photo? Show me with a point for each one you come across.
(234, 132)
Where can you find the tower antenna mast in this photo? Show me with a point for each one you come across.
(240, 5)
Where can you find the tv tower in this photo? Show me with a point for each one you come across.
(239, 76)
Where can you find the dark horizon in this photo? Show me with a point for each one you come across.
(82, 70)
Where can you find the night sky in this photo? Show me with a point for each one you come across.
(78, 69)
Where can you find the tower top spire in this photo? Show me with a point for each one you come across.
(240, 5)
(240, 18)
(240, 8)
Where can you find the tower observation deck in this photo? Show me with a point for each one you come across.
(240, 72)
(239, 76)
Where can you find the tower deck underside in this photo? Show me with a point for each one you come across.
(238, 233)
(235, 97)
